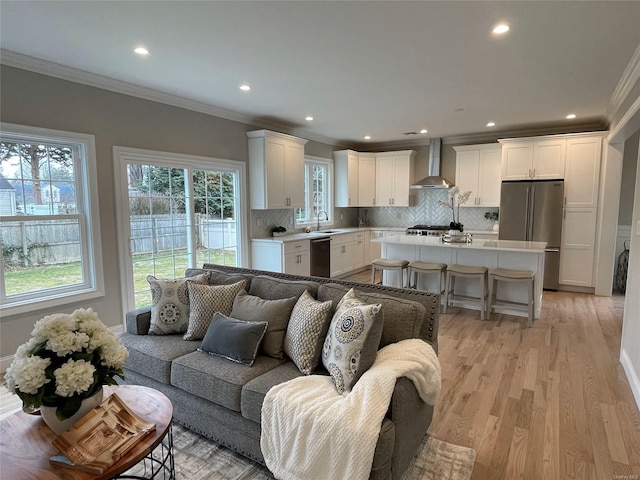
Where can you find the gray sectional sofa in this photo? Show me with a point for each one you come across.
(222, 400)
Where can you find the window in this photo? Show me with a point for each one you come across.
(183, 211)
(318, 175)
(50, 233)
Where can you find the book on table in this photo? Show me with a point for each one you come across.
(101, 437)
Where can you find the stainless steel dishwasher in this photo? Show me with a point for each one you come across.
(321, 257)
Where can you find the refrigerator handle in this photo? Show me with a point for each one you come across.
(531, 214)
(527, 215)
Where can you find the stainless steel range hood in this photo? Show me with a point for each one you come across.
(434, 180)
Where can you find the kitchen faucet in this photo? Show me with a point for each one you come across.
(326, 217)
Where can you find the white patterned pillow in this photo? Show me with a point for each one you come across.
(306, 331)
(204, 301)
(170, 303)
(352, 340)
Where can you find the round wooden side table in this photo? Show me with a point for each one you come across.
(25, 442)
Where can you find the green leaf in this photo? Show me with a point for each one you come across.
(69, 407)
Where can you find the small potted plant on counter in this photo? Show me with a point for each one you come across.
(278, 231)
(493, 216)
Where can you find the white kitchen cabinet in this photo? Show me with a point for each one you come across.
(367, 179)
(478, 170)
(276, 170)
(346, 168)
(578, 247)
(394, 173)
(582, 171)
(541, 158)
(342, 254)
(361, 246)
(287, 257)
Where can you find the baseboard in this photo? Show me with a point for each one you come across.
(632, 377)
(5, 362)
(576, 289)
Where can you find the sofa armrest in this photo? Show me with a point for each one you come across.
(138, 321)
(411, 418)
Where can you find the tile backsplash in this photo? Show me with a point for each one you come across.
(424, 209)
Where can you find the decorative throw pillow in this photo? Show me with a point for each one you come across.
(234, 339)
(352, 340)
(306, 331)
(276, 312)
(204, 301)
(170, 303)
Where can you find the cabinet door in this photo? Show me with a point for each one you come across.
(293, 174)
(359, 252)
(346, 172)
(582, 172)
(467, 167)
(274, 173)
(297, 263)
(577, 251)
(548, 159)
(384, 181)
(489, 178)
(516, 160)
(401, 181)
(366, 180)
(336, 260)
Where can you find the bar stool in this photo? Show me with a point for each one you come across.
(513, 276)
(383, 264)
(479, 273)
(416, 268)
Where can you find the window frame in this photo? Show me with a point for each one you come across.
(122, 156)
(310, 161)
(88, 224)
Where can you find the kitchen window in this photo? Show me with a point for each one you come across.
(50, 235)
(318, 191)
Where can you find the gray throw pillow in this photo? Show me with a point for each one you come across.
(204, 301)
(306, 331)
(170, 303)
(234, 339)
(276, 312)
(352, 341)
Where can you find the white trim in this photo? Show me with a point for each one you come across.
(124, 155)
(627, 125)
(91, 241)
(632, 375)
(629, 78)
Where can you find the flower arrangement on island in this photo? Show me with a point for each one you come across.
(455, 199)
(68, 358)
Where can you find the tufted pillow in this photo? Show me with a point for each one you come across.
(306, 331)
(234, 339)
(276, 312)
(352, 341)
(170, 303)
(204, 301)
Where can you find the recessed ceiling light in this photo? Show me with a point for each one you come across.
(491, 124)
(309, 118)
(571, 116)
(244, 87)
(501, 28)
(424, 130)
(141, 51)
(367, 137)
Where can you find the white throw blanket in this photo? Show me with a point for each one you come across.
(310, 431)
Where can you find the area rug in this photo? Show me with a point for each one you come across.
(198, 458)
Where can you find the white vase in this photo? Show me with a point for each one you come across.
(496, 226)
(61, 426)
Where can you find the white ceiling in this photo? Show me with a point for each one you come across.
(359, 67)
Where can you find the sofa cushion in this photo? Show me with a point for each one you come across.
(204, 301)
(352, 340)
(218, 277)
(233, 339)
(215, 378)
(254, 390)
(306, 332)
(276, 312)
(272, 288)
(152, 355)
(403, 318)
(170, 303)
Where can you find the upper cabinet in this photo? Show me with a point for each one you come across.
(533, 159)
(276, 170)
(373, 179)
(582, 171)
(478, 170)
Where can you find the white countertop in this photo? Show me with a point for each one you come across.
(477, 244)
(294, 237)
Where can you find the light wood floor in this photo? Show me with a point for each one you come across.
(547, 402)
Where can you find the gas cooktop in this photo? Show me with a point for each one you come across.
(428, 230)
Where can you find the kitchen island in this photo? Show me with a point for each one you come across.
(488, 253)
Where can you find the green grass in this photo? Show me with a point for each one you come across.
(23, 280)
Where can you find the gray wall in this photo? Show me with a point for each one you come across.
(630, 162)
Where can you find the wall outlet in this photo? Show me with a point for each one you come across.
(342, 216)
(290, 220)
(259, 222)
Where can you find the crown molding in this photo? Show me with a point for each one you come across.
(625, 84)
(63, 72)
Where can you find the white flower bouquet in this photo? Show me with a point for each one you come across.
(68, 358)
(455, 199)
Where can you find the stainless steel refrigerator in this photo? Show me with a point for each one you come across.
(532, 210)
